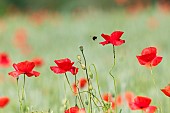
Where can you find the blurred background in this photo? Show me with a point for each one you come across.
(11, 6)
(46, 30)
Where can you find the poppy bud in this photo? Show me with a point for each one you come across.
(81, 48)
(90, 87)
(79, 57)
(83, 66)
(91, 75)
(86, 102)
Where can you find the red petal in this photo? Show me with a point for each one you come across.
(116, 35)
(82, 82)
(117, 42)
(4, 60)
(74, 88)
(57, 70)
(141, 60)
(25, 66)
(145, 59)
(106, 37)
(149, 50)
(107, 97)
(129, 96)
(166, 91)
(3, 101)
(72, 110)
(15, 67)
(156, 61)
(15, 74)
(33, 73)
(142, 102)
(64, 64)
(150, 109)
(104, 42)
(118, 100)
(38, 62)
(133, 106)
(81, 111)
(74, 70)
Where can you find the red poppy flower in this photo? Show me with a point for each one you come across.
(3, 101)
(74, 88)
(148, 57)
(140, 103)
(26, 68)
(150, 109)
(166, 90)
(4, 60)
(118, 100)
(114, 38)
(38, 62)
(21, 41)
(82, 82)
(129, 96)
(75, 110)
(64, 65)
(107, 97)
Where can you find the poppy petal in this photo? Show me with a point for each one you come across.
(166, 91)
(33, 73)
(74, 70)
(149, 50)
(142, 102)
(57, 70)
(15, 67)
(3, 101)
(15, 74)
(104, 42)
(150, 109)
(133, 106)
(106, 37)
(156, 61)
(116, 35)
(141, 60)
(117, 42)
(64, 64)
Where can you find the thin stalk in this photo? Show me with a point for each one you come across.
(81, 101)
(93, 96)
(68, 82)
(76, 86)
(23, 89)
(156, 87)
(97, 81)
(19, 95)
(88, 80)
(110, 72)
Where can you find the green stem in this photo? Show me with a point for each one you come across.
(110, 72)
(76, 86)
(23, 89)
(157, 89)
(68, 82)
(88, 80)
(81, 101)
(93, 96)
(19, 95)
(97, 81)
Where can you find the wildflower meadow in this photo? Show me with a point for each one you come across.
(87, 62)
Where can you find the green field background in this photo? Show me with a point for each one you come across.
(61, 34)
